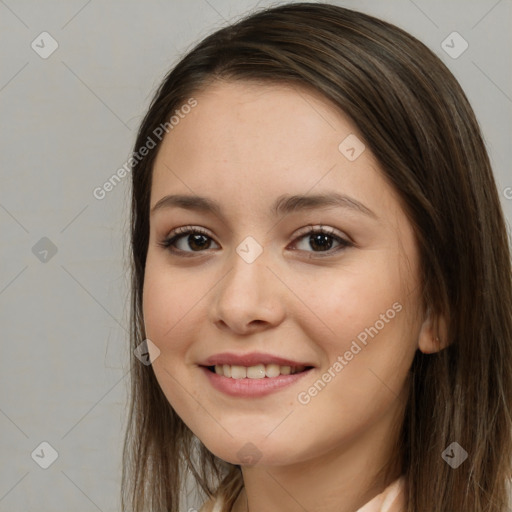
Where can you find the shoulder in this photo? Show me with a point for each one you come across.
(394, 496)
(211, 505)
(207, 506)
(392, 499)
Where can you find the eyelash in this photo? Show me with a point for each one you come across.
(188, 230)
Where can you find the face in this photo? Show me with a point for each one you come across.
(316, 299)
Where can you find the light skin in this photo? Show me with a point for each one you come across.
(243, 146)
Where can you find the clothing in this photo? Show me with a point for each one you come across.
(391, 499)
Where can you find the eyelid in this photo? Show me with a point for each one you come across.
(188, 229)
(308, 228)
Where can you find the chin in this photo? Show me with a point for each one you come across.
(259, 451)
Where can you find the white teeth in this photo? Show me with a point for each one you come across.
(258, 371)
(286, 370)
(238, 372)
(273, 370)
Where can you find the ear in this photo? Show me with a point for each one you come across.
(433, 335)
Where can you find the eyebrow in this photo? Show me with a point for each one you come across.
(284, 204)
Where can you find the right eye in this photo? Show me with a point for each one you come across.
(190, 237)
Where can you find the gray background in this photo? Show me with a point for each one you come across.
(68, 123)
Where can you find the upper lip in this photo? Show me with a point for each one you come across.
(251, 359)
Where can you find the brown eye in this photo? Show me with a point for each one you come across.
(187, 240)
(321, 240)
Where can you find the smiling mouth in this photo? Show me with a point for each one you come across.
(259, 371)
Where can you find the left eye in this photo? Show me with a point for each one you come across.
(323, 238)
(198, 240)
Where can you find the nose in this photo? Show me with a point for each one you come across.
(249, 298)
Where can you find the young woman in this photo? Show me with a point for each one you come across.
(321, 276)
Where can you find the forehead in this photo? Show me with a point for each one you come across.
(279, 115)
(259, 141)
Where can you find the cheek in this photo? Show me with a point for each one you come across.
(362, 325)
(369, 314)
(168, 309)
(167, 305)
(342, 305)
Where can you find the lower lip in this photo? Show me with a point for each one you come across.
(252, 387)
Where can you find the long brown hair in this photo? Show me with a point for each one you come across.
(415, 118)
